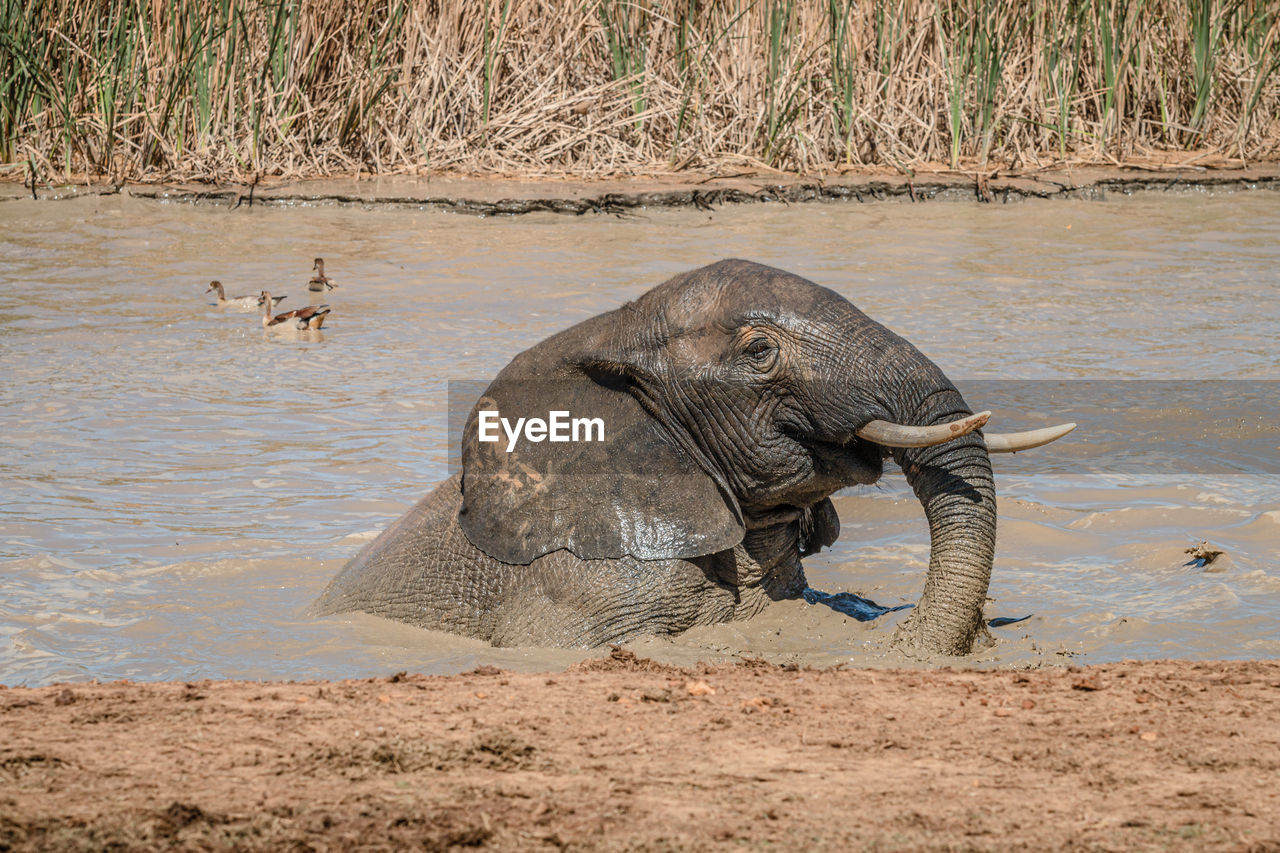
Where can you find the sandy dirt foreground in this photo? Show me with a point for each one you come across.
(626, 754)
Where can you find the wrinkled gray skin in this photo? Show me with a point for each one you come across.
(731, 395)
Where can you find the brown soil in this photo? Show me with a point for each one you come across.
(625, 754)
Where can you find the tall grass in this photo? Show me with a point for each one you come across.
(223, 89)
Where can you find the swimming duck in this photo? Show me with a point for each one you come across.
(244, 303)
(320, 282)
(300, 319)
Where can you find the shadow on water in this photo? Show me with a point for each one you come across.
(866, 610)
(862, 609)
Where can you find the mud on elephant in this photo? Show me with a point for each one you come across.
(735, 399)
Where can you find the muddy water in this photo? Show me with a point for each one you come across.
(176, 486)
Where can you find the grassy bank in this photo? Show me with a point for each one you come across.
(223, 89)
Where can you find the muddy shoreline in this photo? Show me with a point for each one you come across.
(495, 196)
(621, 753)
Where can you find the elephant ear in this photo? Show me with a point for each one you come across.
(637, 492)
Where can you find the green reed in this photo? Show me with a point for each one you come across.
(1116, 29)
(694, 53)
(890, 26)
(1206, 40)
(689, 68)
(1061, 32)
(22, 77)
(626, 30)
(844, 68)
(1257, 31)
(377, 44)
(971, 40)
(492, 44)
(779, 98)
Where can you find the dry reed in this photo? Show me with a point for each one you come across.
(224, 89)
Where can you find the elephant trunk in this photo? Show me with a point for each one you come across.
(954, 484)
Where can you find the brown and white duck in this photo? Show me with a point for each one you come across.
(320, 282)
(244, 303)
(300, 319)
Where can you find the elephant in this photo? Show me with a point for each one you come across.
(735, 400)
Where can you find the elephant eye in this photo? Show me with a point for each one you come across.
(761, 349)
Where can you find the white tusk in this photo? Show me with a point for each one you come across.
(889, 434)
(1012, 442)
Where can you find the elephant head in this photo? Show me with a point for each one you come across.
(734, 398)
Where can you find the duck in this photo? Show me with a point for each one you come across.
(320, 282)
(299, 319)
(244, 303)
